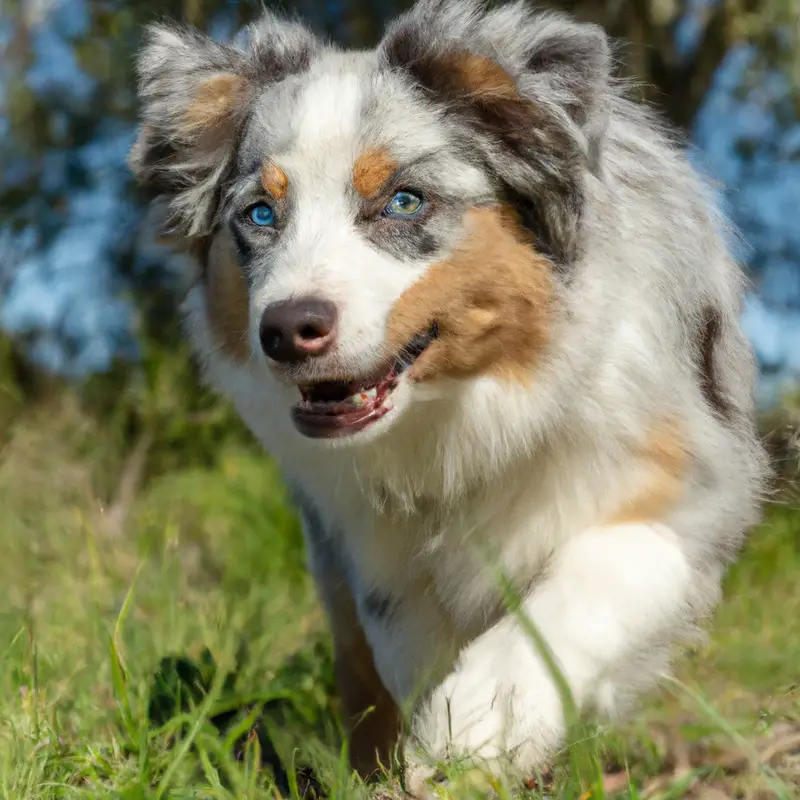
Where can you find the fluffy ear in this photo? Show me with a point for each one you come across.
(533, 90)
(195, 95)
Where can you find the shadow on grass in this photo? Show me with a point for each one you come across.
(181, 685)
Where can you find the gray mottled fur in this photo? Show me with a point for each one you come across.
(645, 322)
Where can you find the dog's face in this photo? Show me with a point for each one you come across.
(369, 222)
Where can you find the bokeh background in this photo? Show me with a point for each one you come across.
(77, 284)
(117, 469)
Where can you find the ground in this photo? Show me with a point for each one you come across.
(105, 574)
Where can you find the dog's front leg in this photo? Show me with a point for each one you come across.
(611, 596)
(371, 718)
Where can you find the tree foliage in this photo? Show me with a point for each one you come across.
(79, 290)
(675, 47)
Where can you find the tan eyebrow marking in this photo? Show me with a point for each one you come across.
(371, 170)
(274, 180)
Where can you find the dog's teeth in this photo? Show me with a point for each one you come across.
(360, 399)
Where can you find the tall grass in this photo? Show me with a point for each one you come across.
(175, 648)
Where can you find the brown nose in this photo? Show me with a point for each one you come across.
(294, 330)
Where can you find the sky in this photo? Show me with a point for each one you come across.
(68, 290)
(765, 196)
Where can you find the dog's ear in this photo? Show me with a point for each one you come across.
(532, 90)
(195, 95)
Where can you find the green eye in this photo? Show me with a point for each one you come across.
(404, 204)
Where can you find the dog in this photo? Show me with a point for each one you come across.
(483, 313)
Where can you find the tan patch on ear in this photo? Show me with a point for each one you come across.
(274, 180)
(227, 298)
(664, 463)
(491, 300)
(371, 170)
(479, 74)
(216, 100)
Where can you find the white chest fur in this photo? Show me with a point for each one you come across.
(429, 581)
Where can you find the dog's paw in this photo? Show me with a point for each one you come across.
(467, 780)
(466, 717)
(493, 719)
(423, 781)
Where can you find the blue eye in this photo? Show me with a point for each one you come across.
(404, 204)
(261, 215)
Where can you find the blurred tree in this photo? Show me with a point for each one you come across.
(79, 288)
(675, 47)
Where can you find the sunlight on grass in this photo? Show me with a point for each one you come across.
(204, 584)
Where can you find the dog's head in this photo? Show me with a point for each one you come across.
(367, 223)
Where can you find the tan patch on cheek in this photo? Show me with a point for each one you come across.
(664, 463)
(227, 299)
(214, 101)
(491, 300)
(274, 180)
(371, 170)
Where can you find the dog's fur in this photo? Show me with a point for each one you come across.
(582, 426)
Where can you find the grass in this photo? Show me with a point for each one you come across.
(205, 562)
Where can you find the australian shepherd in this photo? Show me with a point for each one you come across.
(484, 315)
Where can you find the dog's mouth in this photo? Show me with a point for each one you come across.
(330, 409)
